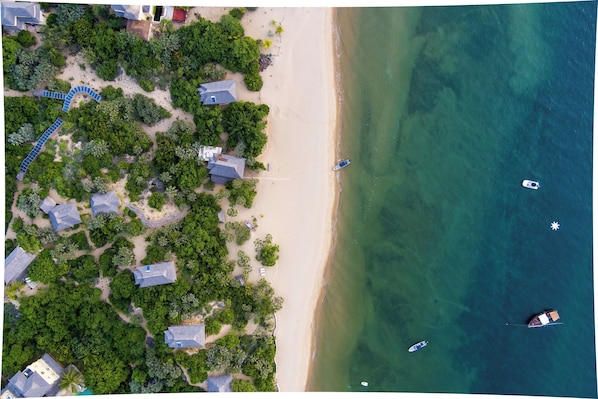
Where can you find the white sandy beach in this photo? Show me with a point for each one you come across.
(297, 194)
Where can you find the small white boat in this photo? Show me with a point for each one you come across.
(364, 383)
(249, 225)
(418, 346)
(534, 185)
(341, 164)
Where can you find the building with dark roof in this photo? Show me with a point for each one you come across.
(220, 383)
(226, 167)
(16, 14)
(218, 93)
(64, 216)
(15, 265)
(158, 274)
(39, 379)
(104, 203)
(189, 336)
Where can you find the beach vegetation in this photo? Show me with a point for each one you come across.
(134, 228)
(253, 81)
(266, 251)
(31, 68)
(260, 365)
(124, 257)
(266, 44)
(71, 378)
(239, 385)
(146, 84)
(213, 326)
(156, 201)
(231, 26)
(63, 251)
(29, 201)
(241, 192)
(10, 290)
(29, 242)
(10, 46)
(245, 122)
(84, 269)
(26, 39)
(122, 288)
(59, 85)
(237, 12)
(25, 134)
(45, 270)
(237, 232)
(109, 143)
(195, 365)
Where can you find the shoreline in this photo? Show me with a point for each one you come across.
(327, 271)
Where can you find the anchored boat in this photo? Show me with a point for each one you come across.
(418, 346)
(543, 319)
(534, 185)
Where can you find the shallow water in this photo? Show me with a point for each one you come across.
(445, 110)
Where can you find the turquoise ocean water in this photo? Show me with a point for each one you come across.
(445, 110)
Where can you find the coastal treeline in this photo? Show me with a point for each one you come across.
(116, 338)
(189, 53)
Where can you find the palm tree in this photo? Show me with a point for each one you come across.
(71, 379)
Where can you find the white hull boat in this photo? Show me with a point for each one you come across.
(341, 164)
(534, 185)
(418, 346)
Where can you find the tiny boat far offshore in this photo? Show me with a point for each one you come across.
(418, 346)
(534, 185)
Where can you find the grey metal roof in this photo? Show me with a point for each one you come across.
(9, 393)
(47, 205)
(104, 203)
(226, 167)
(190, 336)
(15, 14)
(64, 216)
(220, 383)
(218, 93)
(15, 265)
(221, 217)
(158, 274)
(127, 11)
(34, 381)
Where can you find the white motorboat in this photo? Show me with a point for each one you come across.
(534, 185)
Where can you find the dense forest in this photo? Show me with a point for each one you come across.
(117, 343)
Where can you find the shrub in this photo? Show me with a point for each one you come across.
(237, 13)
(146, 84)
(253, 81)
(26, 39)
(156, 201)
(80, 239)
(212, 326)
(227, 316)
